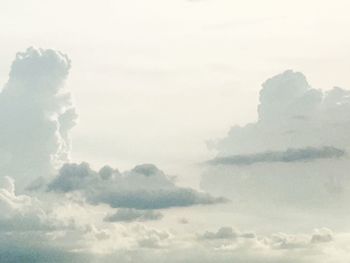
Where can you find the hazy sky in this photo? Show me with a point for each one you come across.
(187, 130)
(153, 80)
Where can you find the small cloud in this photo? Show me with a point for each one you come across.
(222, 233)
(183, 221)
(132, 215)
(323, 235)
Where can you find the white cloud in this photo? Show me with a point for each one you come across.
(295, 153)
(36, 115)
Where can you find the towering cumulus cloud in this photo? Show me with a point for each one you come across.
(36, 115)
(296, 150)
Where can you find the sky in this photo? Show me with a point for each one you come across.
(195, 130)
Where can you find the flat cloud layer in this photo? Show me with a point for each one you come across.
(36, 115)
(290, 155)
(144, 187)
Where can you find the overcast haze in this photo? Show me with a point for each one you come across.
(189, 130)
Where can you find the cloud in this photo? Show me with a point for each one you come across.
(290, 155)
(277, 245)
(36, 115)
(29, 230)
(86, 243)
(322, 235)
(131, 215)
(144, 187)
(295, 153)
(285, 241)
(291, 114)
(67, 223)
(222, 233)
(154, 239)
(21, 213)
(228, 245)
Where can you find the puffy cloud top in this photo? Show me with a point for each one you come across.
(39, 70)
(286, 95)
(291, 114)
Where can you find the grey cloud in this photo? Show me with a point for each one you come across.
(73, 177)
(281, 241)
(154, 239)
(36, 114)
(323, 235)
(131, 215)
(226, 233)
(183, 221)
(38, 230)
(144, 187)
(155, 199)
(285, 241)
(222, 233)
(290, 155)
(287, 94)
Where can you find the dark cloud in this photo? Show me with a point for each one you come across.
(144, 187)
(154, 199)
(290, 155)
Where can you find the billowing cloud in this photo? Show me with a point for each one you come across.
(294, 153)
(290, 155)
(36, 114)
(144, 187)
(131, 215)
